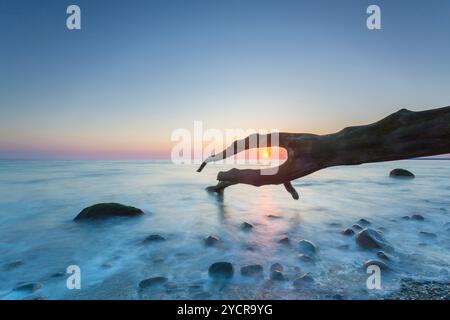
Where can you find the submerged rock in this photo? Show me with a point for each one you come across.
(108, 210)
(252, 270)
(417, 217)
(307, 247)
(221, 270)
(363, 222)
(405, 217)
(401, 173)
(151, 282)
(277, 276)
(246, 226)
(357, 227)
(427, 234)
(305, 258)
(28, 287)
(13, 264)
(276, 267)
(154, 238)
(371, 239)
(284, 240)
(303, 280)
(211, 241)
(348, 232)
(273, 216)
(370, 262)
(383, 255)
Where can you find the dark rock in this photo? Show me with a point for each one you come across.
(405, 218)
(276, 267)
(107, 210)
(151, 282)
(401, 173)
(383, 255)
(221, 270)
(307, 247)
(303, 280)
(371, 239)
(154, 238)
(417, 217)
(363, 222)
(348, 232)
(305, 258)
(58, 275)
(211, 241)
(13, 264)
(427, 234)
(284, 240)
(357, 227)
(29, 287)
(272, 216)
(246, 226)
(252, 270)
(277, 276)
(370, 262)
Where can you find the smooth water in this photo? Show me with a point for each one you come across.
(39, 199)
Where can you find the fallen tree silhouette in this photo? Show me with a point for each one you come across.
(402, 135)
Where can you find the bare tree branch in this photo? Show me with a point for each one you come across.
(402, 135)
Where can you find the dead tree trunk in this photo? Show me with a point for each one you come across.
(402, 135)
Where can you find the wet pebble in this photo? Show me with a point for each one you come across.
(417, 217)
(211, 241)
(371, 239)
(303, 280)
(277, 276)
(153, 238)
(378, 263)
(276, 267)
(284, 240)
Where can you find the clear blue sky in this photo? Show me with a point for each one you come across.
(139, 69)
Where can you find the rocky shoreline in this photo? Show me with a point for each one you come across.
(411, 289)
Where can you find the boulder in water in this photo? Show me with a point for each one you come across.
(211, 241)
(370, 239)
(417, 217)
(348, 232)
(107, 210)
(246, 226)
(221, 270)
(401, 173)
(307, 247)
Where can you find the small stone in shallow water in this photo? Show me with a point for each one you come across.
(405, 217)
(378, 263)
(211, 241)
(277, 276)
(28, 287)
(382, 255)
(401, 173)
(363, 222)
(276, 267)
(417, 217)
(154, 238)
(305, 258)
(221, 270)
(371, 239)
(348, 232)
(357, 227)
(246, 226)
(303, 280)
(252, 270)
(284, 240)
(272, 216)
(13, 264)
(427, 234)
(151, 282)
(307, 246)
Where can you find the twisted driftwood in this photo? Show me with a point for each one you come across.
(402, 135)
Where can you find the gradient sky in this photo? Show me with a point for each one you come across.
(140, 69)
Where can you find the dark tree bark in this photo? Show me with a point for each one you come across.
(402, 135)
